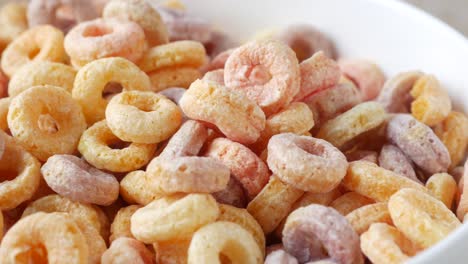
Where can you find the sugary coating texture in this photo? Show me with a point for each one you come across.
(134, 188)
(172, 251)
(216, 76)
(182, 25)
(395, 95)
(75, 179)
(419, 143)
(367, 76)
(219, 61)
(120, 227)
(280, 256)
(127, 250)
(392, 158)
(187, 141)
(173, 76)
(349, 202)
(420, 217)
(453, 132)
(443, 187)
(363, 217)
(267, 72)
(233, 194)
(226, 238)
(13, 22)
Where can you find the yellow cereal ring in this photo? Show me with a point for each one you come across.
(39, 238)
(4, 106)
(385, 244)
(41, 43)
(42, 73)
(443, 187)
(362, 218)
(374, 182)
(349, 202)
(134, 188)
(91, 80)
(273, 203)
(172, 251)
(21, 173)
(13, 22)
(142, 117)
(95, 146)
(432, 103)
(173, 217)
(46, 121)
(422, 218)
(453, 132)
(226, 238)
(173, 77)
(120, 227)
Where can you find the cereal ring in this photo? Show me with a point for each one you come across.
(280, 256)
(392, 158)
(127, 250)
(349, 202)
(462, 208)
(273, 203)
(419, 143)
(173, 76)
(395, 94)
(317, 73)
(142, 117)
(92, 79)
(383, 243)
(96, 146)
(443, 187)
(13, 22)
(359, 119)
(233, 194)
(375, 182)
(431, 103)
(453, 133)
(365, 155)
(457, 173)
(237, 117)
(307, 163)
(307, 226)
(267, 72)
(187, 141)
(42, 43)
(173, 217)
(42, 115)
(367, 76)
(216, 76)
(75, 179)
(172, 251)
(219, 61)
(142, 13)
(120, 227)
(174, 94)
(4, 107)
(57, 238)
(134, 188)
(226, 238)
(363, 217)
(422, 218)
(184, 26)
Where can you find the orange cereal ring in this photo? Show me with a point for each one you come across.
(367, 76)
(127, 250)
(96, 147)
(226, 238)
(307, 163)
(46, 121)
(237, 117)
(267, 72)
(136, 187)
(42, 73)
(13, 22)
(443, 187)
(172, 251)
(453, 132)
(173, 217)
(395, 95)
(4, 107)
(173, 77)
(349, 202)
(42, 43)
(120, 227)
(363, 217)
(47, 244)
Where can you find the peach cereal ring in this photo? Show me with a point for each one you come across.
(392, 158)
(120, 227)
(349, 202)
(367, 76)
(226, 238)
(443, 187)
(216, 76)
(187, 141)
(173, 76)
(307, 163)
(75, 179)
(42, 43)
(92, 79)
(453, 132)
(46, 121)
(307, 228)
(395, 95)
(173, 217)
(13, 22)
(363, 217)
(377, 183)
(383, 243)
(431, 103)
(273, 203)
(233, 194)
(172, 251)
(96, 147)
(103, 38)
(359, 119)
(237, 117)
(134, 188)
(57, 239)
(419, 143)
(142, 13)
(127, 250)
(244, 165)
(422, 218)
(267, 72)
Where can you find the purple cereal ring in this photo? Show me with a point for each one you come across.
(419, 143)
(367, 76)
(233, 194)
(328, 227)
(174, 94)
(392, 158)
(184, 26)
(395, 95)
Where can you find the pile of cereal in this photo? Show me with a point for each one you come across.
(135, 132)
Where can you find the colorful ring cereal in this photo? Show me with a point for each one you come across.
(443, 187)
(174, 94)
(216, 76)
(367, 76)
(13, 21)
(267, 72)
(127, 250)
(280, 256)
(226, 238)
(136, 187)
(46, 121)
(233, 194)
(172, 251)
(362, 218)
(187, 141)
(173, 76)
(395, 95)
(306, 163)
(42, 43)
(173, 217)
(392, 158)
(453, 133)
(120, 227)
(50, 230)
(349, 202)
(75, 179)
(92, 79)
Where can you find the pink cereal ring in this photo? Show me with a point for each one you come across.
(102, 38)
(127, 250)
(219, 61)
(216, 76)
(307, 163)
(187, 141)
(392, 158)
(245, 166)
(367, 76)
(280, 256)
(267, 72)
(395, 94)
(174, 93)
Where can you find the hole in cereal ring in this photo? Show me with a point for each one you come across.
(258, 74)
(47, 123)
(111, 89)
(8, 174)
(38, 254)
(33, 53)
(96, 31)
(119, 145)
(302, 49)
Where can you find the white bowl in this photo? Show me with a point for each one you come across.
(397, 36)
